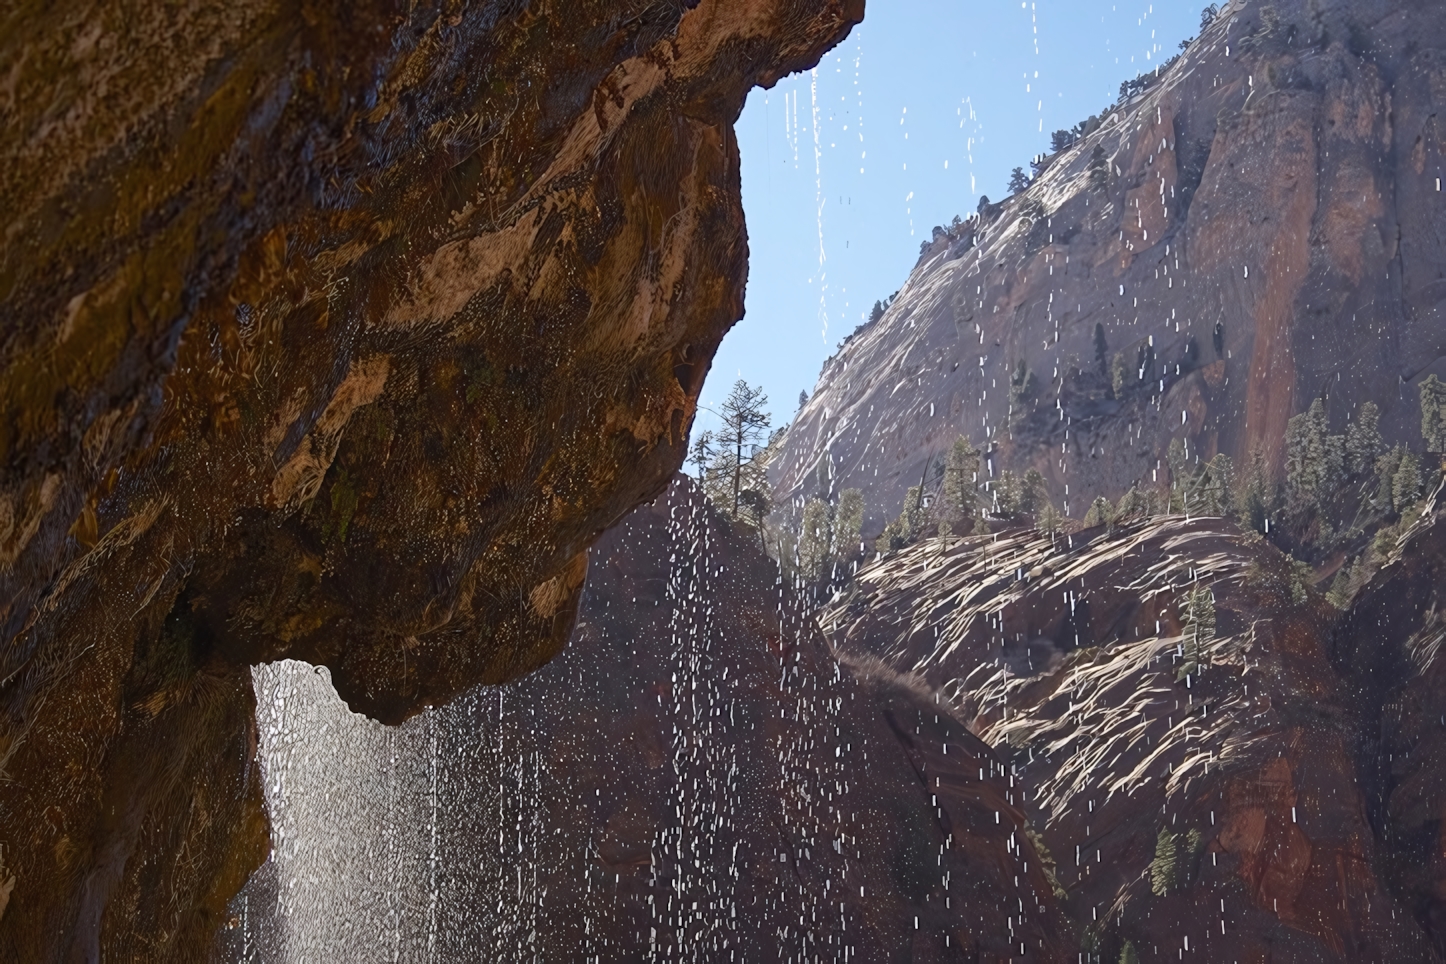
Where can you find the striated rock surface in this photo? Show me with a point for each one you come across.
(1262, 226)
(1256, 779)
(694, 777)
(334, 332)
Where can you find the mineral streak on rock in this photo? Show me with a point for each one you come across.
(1262, 226)
(693, 777)
(1248, 786)
(335, 332)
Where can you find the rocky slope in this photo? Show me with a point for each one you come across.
(337, 332)
(1256, 778)
(693, 778)
(1262, 226)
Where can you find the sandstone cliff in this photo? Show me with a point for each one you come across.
(1262, 226)
(333, 331)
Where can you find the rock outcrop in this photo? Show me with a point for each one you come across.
(334, 332)
(1261, 226)
(694, 777)
(1219, 760)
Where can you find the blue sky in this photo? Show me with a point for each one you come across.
(927, 105)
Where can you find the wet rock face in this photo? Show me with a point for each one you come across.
(1231, 776)
(1260, 227)
(693, 776)
(338, 333)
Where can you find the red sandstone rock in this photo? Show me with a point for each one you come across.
(335, 331)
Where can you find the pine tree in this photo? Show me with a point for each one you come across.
(1018, 180)
(1198, 615)
(1363, 440)
(1255, 500)
(1021, 383)
(1314, 460)
(1134, 504)
(1386, 466)
(802, 400)
(1014, 495)
(1050, 522)
(1216, 484)
(814, 539)
(754, 504)
(1128, 954)
(1342, 587)
(1031, 491)
(1102, 350)
(1121, 377)
(745, 424)
(702, 453)
(1433, 413)
(848, 524)
(1179, 464)
(1098, 170)
(961, 469)
(911, 519)
(1101, 513)
(1165, 867)
(1406, 483)
(903, 530)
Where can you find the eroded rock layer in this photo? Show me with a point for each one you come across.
(1219, 761)
(333, 331)
(693, 778)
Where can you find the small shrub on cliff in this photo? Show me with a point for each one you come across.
(1165, 867)
(1098, 170)
(1046, 861)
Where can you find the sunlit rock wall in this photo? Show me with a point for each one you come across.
(1261, 785)
(1264, 225)
(334, 331)
(693, 779)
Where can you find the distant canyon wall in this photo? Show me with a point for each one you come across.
(1263, 225)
